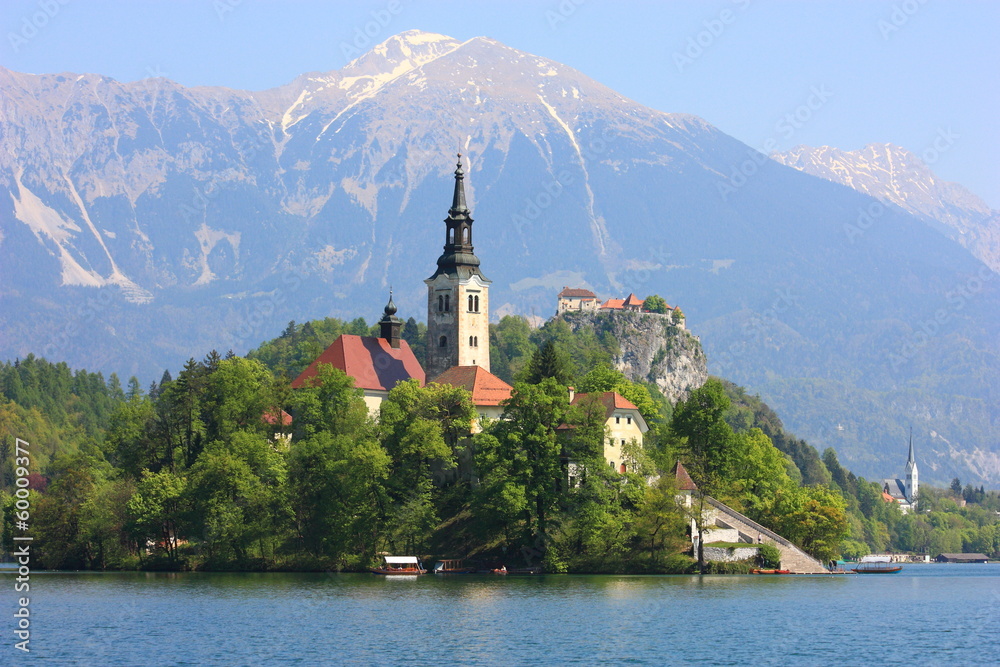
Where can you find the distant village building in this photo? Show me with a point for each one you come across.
(904, 491)
(962, 558)
(376, 364)
(575, 299)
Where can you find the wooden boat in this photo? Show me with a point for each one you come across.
(876, 565)
(759, 571)
(453, 566)
(400, 565)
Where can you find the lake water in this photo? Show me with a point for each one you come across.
(927, 614)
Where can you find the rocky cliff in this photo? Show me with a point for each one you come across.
(651, 349)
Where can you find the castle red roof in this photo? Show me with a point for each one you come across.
(486, 388)
(372, 362)
(576, 292)
(615, 304)
(633, 300)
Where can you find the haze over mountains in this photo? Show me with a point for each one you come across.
(146, 223)
(896, 176)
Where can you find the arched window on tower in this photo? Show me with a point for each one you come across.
(447, 303)
(451, 236)
(440, 303)
(470, 303)
(477, 304)
(470, 341)
(443, 341)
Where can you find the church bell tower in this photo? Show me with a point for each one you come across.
(912, 480)
(458, 311)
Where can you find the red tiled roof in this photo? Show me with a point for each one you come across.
(616, 304)
(281, 417)
(611, 400)
(575, 292)
(633, 300)
(486, 388)
(684, 481)
(372, 362)
(887, 498)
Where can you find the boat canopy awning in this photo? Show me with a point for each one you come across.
(876, 559)
(401, 560)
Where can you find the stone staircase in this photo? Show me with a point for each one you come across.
(792, 557)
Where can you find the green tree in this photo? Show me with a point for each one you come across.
(655, 303)
(707, 446)
(548, 362)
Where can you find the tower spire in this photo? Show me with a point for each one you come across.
(390, 325)
(458, 205)
(910, 459)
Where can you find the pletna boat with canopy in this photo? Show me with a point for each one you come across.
(400, 565)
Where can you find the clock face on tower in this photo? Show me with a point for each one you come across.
(457, 295)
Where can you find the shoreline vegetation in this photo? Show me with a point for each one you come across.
(186, 475)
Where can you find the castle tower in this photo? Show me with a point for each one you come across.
(912, 480)
(458, 311)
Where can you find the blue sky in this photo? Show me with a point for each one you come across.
(899, 71)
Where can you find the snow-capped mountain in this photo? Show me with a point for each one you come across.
(897, 176)
(143, 223)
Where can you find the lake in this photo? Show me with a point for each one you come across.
(927, 614)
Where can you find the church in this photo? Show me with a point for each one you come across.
(458, 343)
(458, 330)
(901, 491)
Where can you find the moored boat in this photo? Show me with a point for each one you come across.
(452, 566)
(400, 565)
(876, 565)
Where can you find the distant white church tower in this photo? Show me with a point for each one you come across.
(458, 311)
(911, 476)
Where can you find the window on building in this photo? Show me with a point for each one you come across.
(443, 341)
(470, 341)
(628, 420)
(451, 236)
(440, 303)
(612, 465)
(623, 443)
(470, 303)
(477, 304)
(447, 303)
(618, 419)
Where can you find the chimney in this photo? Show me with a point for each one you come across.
(572, 393)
